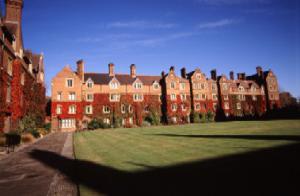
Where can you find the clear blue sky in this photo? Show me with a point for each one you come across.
(155, 34)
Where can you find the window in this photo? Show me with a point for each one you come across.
(72, 109)
(156, 86)
(225, 87)
(215, 97)
(114, 97)
(67, 123)
(174, 107)
(183, 97)
(106, 110)
(203, 96)
(147, 109)
(173, 96)
(198, 76)
(90, 84)
(182, 86)
(197, 96)
(10, 66)
(113, 85)
(138, 97)
(89, 97)
(173, 85)
(202, 86)
(197, 106)
(238, 106)
(89, 109)
(254, 98)
(242, 97)
(58, 109)
(106, 121)
(183, 107)
(253, 89)
(8, 94)
(138, 85)
(130, 109)
(72, 96)
(70, 83)
(241, 89)
(226, 97)
(123, 109)
(59, 96)
(226, 106)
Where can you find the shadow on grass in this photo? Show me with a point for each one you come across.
(273, 171)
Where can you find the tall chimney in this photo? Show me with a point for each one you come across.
(231, 75)
(213, 74)
(133, 70)
(239, 76)
(259, 71)
(80, 70)
(111, 68)
(243, 76)
(183, 72)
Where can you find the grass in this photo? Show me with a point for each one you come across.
(137, 149)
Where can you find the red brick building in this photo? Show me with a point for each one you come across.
(79, 97)
(22, 89)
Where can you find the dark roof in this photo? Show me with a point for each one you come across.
(104, 78)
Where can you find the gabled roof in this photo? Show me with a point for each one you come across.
(104, 78)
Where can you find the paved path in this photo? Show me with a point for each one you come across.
(20, 174)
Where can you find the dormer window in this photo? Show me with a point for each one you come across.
(90, 84)
(138, 85)
(253, 89)
(241, 89)
(225, 87)
(198, 76)
(114, 85)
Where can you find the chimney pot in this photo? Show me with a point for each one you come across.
(183, 72)
(111, 68)
(80, 69)
(231, 75)
(213, 74)
(133, 70)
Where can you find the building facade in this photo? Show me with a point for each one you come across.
(22, 89)
(78, 97)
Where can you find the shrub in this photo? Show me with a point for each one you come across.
(153, 118)
(196, 117)
(27, 138)
(93, 124)
(203, 118)
(47, 127)
(27, 124)
(210, 116)
(146, 124)
(35, 133)
(117, 122)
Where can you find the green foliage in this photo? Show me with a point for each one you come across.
(146, 124)
(117, 122)
(97, 124)
(35, 133)
(196, 117)
(153, 118)
(47, 127)
(210, 116)
(203, 118)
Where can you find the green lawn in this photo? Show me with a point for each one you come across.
(142, 149)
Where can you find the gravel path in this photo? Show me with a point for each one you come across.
(20, 174)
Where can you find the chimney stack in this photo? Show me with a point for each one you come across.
(213, 74)
(111, 68)
(241, 76)
(231, 75)
(183, 72)
(259, 71)
(80, 70)
(133, 70)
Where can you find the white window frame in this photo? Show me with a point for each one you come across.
(113, 85)
(72, 109)
(182, 86)
(114, 97)
(89, 109)
(238, 106)
(214, 97)
(155, 85)
(138, 85)
(172, 85)
(68, 84)
(198, 107)
(123, 109)
(183, 97)
(226, 106)
(174, 107)
(226, 97)
(138, 97)
(58, 109)
(173, 97)
(106, 109)
(90, 84)
(59, 96)
(90, 98)
(72, 96)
